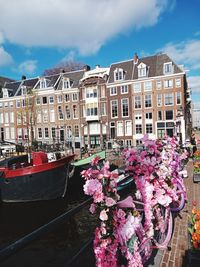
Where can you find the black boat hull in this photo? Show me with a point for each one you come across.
(44, 185)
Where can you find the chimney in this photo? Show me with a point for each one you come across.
(86, 68)
(23, 77)
(135, 59)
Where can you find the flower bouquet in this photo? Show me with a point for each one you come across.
(194, 236)
(196, 171)
(197, 155)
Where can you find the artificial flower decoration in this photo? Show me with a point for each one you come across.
(194, 227)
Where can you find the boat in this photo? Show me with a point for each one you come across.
(124, 179)
(34, 177)
(84, 163)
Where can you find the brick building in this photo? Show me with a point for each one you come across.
(89, 107)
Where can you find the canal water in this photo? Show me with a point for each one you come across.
(55, 248)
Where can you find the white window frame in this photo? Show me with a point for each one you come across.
(124, 89)
(113, 91)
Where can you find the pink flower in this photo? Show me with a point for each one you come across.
(92, 208)
(103, 215)
(92, 186)
(95, 161)
(110, 202)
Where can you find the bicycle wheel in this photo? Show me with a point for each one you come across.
(162, 231)
(178, 205)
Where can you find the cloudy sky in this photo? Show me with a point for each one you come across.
(36, 35)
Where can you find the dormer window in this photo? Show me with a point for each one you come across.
(5, 93)
(23, 90)
(142, 70)
(119, 74)
(43, 83)
(168, 68)
(66, 83)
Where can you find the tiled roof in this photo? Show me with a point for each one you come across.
(74, 77)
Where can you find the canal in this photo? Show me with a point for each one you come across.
(55, 248)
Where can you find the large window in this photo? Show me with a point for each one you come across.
(160, 115)
(76, 131)
(137, 101)
(53, 132)
(46, 132)
(148, 116)
(168, 83)
(91, 93)
(125, 107)
(40, 133)
(124, 89)
(68, 112)
(92, 109)
(113, 91)
(159, 100)
(75, 112)
(168, 68)
(119, 74)
(178, 98)
(128, 127)
(137, 87)
(148, 101)
(169, 99)
(120, 128)
(138, 128)
(148, 86)
(149, 128)
(114, 109)
(60, 113)
(169, 114)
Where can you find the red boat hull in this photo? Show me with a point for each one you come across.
(32, 183)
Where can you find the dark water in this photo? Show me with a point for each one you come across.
(53, 249)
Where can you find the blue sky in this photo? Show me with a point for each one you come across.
(36, 35)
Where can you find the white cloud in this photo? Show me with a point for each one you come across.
(84, 25)
(5, 57)
(187, 52)
(28, 67)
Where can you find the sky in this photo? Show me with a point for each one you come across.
(36, 35)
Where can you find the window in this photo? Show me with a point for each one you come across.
(168, 83)
(138, 116)
(103, 109)
(112, 130)
(178, 82)
(66, 83)
(120, 128)
(159, 115)
(137, 101)
(124, 89)
(11, 104)
(60, 113)
(53, 132)
(124, 107)
(67, 97)
(158, 85)
(128, 127)
(46, 132)
(142, 70)
(137, 87)
(74, 97)
(44, 100)
(114, 109)
(169, 99)
(148, 116)
(128, 142)
(38, 100)
(91, 93)
(75, 112)
(169, 114)
(68, 112)
(51, 99)
(119, 74)
(113, 91)
(91, 109)
(159, 100)
(59, 99)
(76, 131)
(138, 128)
(45, 115)
(149, 128)
(178, 98)
(39, 132)
(52, 115)
(43, 83)
(148, 101)
(148, 86)
(167, 68)
(18, 103)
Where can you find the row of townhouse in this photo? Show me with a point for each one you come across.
(88, 107)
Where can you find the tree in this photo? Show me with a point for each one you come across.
(65, 66)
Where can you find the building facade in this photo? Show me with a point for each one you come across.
(90, 107)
